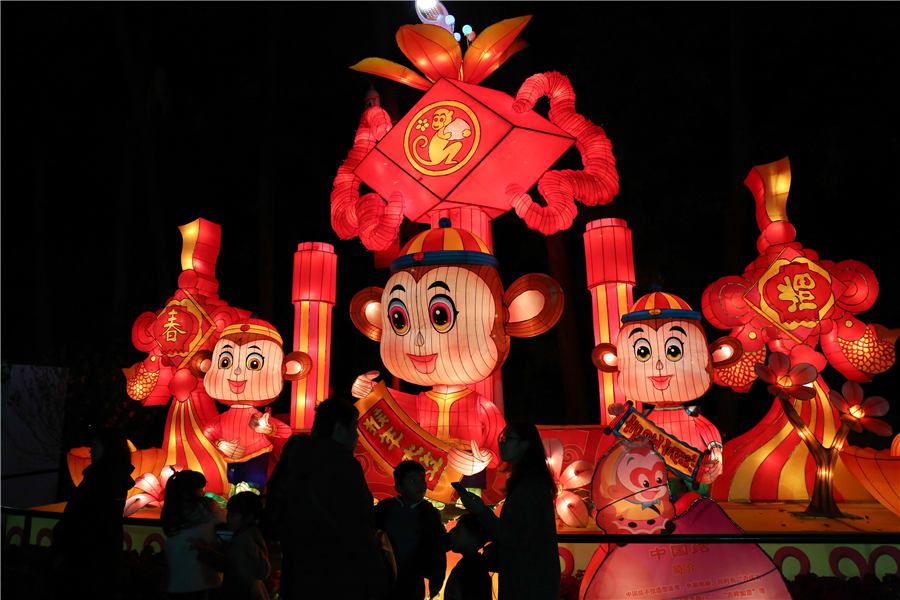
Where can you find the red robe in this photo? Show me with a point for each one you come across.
(235, 423)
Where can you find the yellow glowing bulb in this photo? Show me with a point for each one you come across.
(857, 411)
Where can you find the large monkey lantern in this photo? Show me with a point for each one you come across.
(661, 359)
(246, 369)
(444, 321)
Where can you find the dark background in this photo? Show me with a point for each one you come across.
(122, 121)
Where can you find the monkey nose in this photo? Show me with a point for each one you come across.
(420, 339)
(659, 365)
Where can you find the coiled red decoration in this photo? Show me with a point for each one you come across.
(375, 221)
(596, 184)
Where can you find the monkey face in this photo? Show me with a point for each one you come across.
(665, 364)
(441, 117)
(249, 374)
(437, 331)
(643, 474)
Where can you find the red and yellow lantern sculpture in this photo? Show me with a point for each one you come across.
(190, 322)
(247, 369)
(457, 153)
(789, 301)
(445, 322)
(313, 295)
(610, 277)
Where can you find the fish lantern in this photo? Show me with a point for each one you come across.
(444, 321)
(247, 369)
(190, 322)
(662, 360)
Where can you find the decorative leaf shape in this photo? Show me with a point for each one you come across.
(576, 475)
(875, 426)
(489, 47)
(553, 450)
(432, 50)
(571, 510)
(136, 503)
(517, 45)
(803, 374)
(393, 71)
(876, 406)
(150, 484)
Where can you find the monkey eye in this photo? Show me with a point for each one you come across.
(225, 360)
(642, 350)
(442, 312)
(398, 316)
(674, 349)
(255, 361)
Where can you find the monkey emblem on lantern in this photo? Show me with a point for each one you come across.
(442, 138)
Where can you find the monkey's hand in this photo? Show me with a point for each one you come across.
(260, 423)
(469, 464)
(231, 449)
(364, 385)
(616, 409)
(713, 465)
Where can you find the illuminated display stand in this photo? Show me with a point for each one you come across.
(453, 162)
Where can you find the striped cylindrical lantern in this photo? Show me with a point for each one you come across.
(313, 295)
(610, 277)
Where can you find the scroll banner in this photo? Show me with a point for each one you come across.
(390, 436)
(681, 459)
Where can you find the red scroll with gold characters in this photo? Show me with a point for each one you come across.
(390, 436)
(681, 459)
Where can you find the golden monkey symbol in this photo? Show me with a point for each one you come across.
(445, 148)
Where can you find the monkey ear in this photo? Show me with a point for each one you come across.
(297, 365)
(201, 363)
(365, 312)
(605, 358)
(535, 303)
(725, 351)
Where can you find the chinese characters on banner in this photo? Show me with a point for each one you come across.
(391, 436)
(681, 459)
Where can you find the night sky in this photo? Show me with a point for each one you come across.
(122, 121)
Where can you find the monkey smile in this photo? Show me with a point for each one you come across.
(661, 383)
(237, 387)
(424, 364)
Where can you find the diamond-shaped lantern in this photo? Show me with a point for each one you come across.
(461, 145)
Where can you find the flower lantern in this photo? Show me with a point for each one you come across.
(569, 506)
(791, 302)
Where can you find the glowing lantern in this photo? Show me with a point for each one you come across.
(190, 322)
(787, 301)
(313, 295)
(661, 359)
(247, 369)
(610, 277)
(444, 321)
(461, 144)
(569, 506)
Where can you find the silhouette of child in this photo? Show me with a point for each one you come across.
(469, 579)
(189, 514)
(416, 532)
(245, 560)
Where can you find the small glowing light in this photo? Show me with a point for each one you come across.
(450, 20)
(610, 358)
(457, 36)
(857, 411)
(467, 29)
(726, 352)
(426, 5)
(784, 381)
